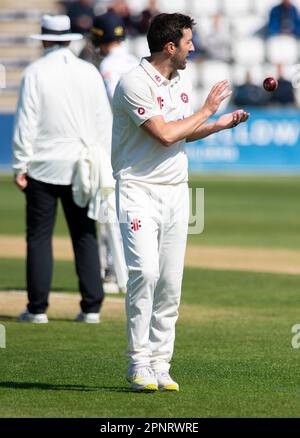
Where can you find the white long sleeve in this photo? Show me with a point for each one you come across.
(26, 120)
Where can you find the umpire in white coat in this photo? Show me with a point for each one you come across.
(62, 111)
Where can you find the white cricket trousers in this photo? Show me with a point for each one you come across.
(154, 222)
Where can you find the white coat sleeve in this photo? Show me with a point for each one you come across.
(25, 124)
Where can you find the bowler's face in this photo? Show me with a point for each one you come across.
(183, 50)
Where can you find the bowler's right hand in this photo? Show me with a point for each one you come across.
(216, 96)
(21, 181)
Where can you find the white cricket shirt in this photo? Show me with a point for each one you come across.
(115, 65)
(141, 94)
(62, 101)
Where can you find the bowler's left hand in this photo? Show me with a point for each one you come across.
(231, 120)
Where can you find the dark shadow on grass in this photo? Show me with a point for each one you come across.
(7, 318)
(14, 318)
(66, 319)
(10, 318)
(58, 387)
(63, 289)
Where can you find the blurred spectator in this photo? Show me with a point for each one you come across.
(249, 94)
(218, 41)
(121, 8)
(284, 95)
(284, 19)
(195, 56)
(81, 13)
(141, 21)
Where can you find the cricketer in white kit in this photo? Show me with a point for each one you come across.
(153, 119)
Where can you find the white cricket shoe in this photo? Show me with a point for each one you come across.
(142, 379)
(165, 382)
(36, 318)
(90, 318)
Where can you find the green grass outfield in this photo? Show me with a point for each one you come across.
(233, 357)
(243, 211)
(233, 354)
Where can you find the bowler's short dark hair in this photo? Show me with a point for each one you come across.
(165, 28)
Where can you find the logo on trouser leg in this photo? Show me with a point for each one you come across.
(135, 224)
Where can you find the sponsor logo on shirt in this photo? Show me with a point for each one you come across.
(184, 97)
(157, 78)
(160, 102)
(141, 111)
(135, 224)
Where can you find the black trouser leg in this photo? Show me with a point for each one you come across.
(84, 239)
(40, 219)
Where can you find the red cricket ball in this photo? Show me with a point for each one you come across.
(270, 84)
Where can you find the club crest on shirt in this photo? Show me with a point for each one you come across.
(135, 224)
(184, 97)
(141, 111)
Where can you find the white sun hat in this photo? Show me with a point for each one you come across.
(56, 28)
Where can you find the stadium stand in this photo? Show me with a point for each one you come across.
(244, 20)
(19, 19)
(282, 49)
